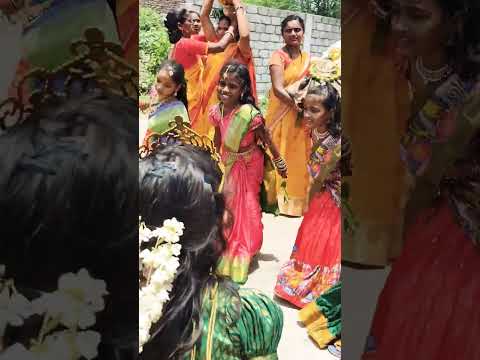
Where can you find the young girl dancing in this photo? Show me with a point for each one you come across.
(239, 134)
(169, 100)
(314, 265)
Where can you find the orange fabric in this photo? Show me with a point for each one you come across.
(280, 58)
(211, 77)
(374, 101)
(188, 53)
(292, 140)
(194, 91)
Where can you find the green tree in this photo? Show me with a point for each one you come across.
(277, 4)
(330, 8)
(153, 46)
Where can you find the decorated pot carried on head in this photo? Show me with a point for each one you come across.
(228, 7)
(326, 68)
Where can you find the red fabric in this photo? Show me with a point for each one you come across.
(314, 265)
(241, 190)
(202, 38)
(187, 52)
(429, 308)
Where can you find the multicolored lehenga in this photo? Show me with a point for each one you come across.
(314, 265)
(243, 177)
(429, 306)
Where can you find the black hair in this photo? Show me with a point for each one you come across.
(226, 18)
(173, 19)
(178, 76)
(194, 12)
(183, 182)
(464, 41)
(331, 102)
(292, 18)
(467, 39)
(241, 72)
(68, 200)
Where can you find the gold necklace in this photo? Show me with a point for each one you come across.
(320, 136)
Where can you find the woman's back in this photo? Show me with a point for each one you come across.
(238, 323)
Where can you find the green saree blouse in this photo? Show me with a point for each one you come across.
(238, 324)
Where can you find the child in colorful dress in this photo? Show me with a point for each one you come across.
(239, 129)
(170, 100)
(314, 265)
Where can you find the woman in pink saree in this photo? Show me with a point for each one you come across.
(240, 134)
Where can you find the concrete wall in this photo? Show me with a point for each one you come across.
(320, 32)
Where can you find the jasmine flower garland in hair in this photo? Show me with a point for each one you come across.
(67, 314)
(158, 267)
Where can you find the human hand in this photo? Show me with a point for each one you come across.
(143, 104)
(281, 167)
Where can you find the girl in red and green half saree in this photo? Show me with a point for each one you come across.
(239, 134)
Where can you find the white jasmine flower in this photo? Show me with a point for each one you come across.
(17, 352)
(174, 226)
(87, 344)
(76, 301)
(84, 288)
(14, 308)
(160, 265)
(58, 346)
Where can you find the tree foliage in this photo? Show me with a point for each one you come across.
(153, 46)
(330, 8)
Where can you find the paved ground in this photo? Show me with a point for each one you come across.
(279, 237)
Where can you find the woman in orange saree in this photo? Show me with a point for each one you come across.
(188, 52)
(288, 65)
(238, 49)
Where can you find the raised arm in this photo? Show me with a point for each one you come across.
(207, 26)
(243, 28)
(219, 46)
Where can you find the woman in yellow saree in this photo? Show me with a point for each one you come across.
(375, 98)
(288, 65)
(188, 52)
(238, 49)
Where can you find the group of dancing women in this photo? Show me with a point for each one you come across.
(209, 81)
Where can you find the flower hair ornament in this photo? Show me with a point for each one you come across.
(158, 265)
(328, 68)
(180, 132)
(96, 65)
(66, 316)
